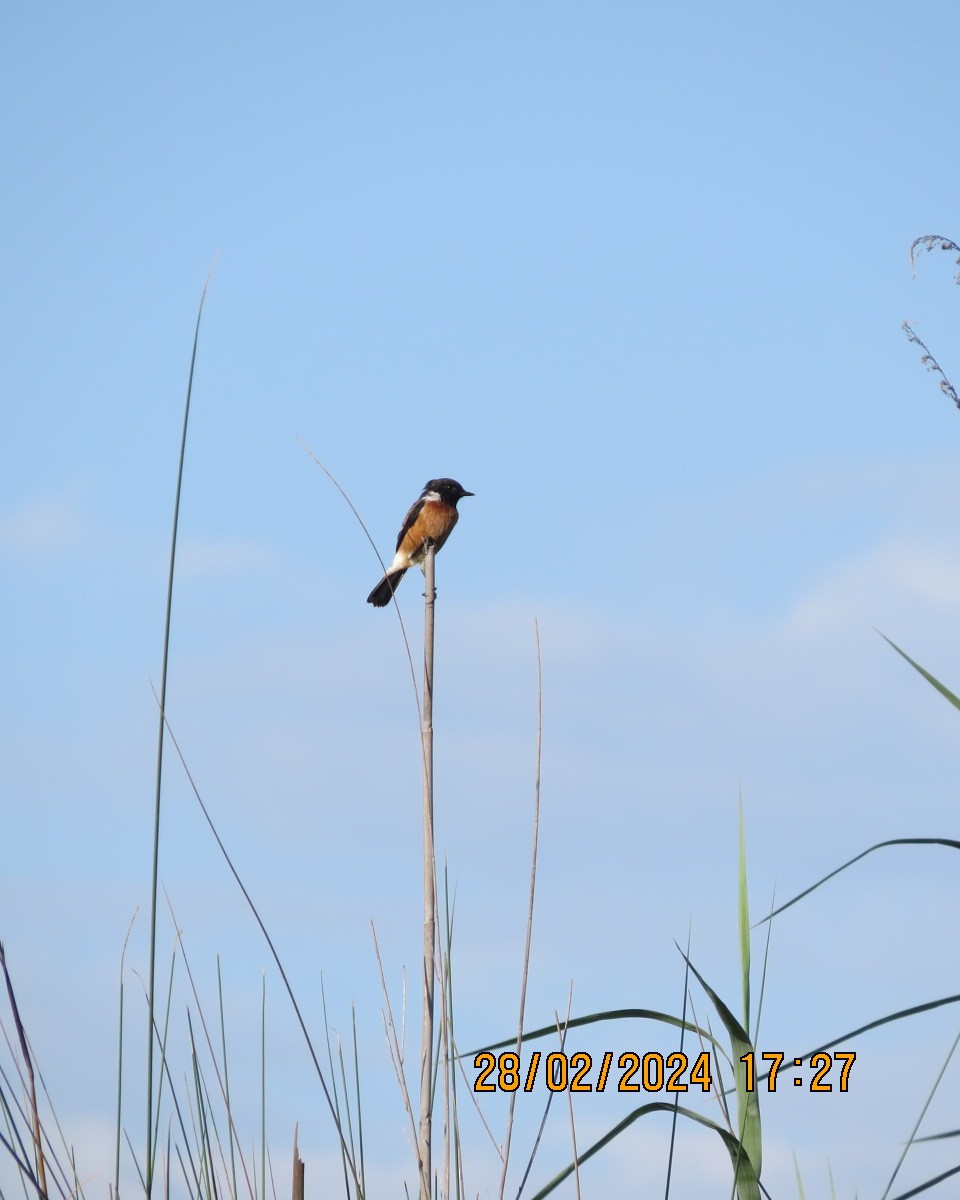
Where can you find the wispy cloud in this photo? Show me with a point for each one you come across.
(46, 525)
(897, 576)
(220, 556)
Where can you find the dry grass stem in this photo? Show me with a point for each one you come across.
(425, 1139)
(394, 1045)
(525, 973)
(31, 1082)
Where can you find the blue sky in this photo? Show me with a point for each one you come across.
(635, 275)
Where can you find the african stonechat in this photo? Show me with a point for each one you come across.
(429, 522)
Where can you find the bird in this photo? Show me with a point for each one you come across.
(429, 522)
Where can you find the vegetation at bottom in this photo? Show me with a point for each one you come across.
(177, 1127)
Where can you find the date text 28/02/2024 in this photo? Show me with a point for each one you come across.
(654, 1072)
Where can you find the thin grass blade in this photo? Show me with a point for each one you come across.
(932, 680)
(743, 914)
(950, 843)
(738, 1157)
(748, 1104)
(165, 659)
(612, 1014)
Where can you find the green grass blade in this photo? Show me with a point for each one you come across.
(263, 1091)
(934, 682)
(950, 843)
(231, 1132)
(155, 874)
(748, 1104)
(612, 1014)
(338, 1115)
(288, 987)
(747, 1177)
(899, 1015)
(743, 914)
(451, 1065)
(763, 981)
(846, 1038)
(924, 1187)
(912, 1139)
(163, 1042)
(342, 1066)
(19, 1155)
(119, 1127)
(362, 1186)
(676, 1099)
(796, 1170)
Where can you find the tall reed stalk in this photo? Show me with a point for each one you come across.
(151, 983)
(429, 882)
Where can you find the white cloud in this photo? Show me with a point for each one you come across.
(220, 556)
(44, 526)
(895, 577)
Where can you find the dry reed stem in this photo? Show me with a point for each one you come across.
(562, 1031)
(28, 1063)
(394, 1045)
(288, 987)
(425, 1140)
(298, 1168)
(505, 1157)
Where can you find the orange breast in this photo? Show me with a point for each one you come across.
(433, 524)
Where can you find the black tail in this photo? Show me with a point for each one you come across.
(382, 593)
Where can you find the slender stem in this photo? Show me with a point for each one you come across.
(429, 882)
(263, 1090)
(525, 973)
(276, 958)
(148, 1186)
(116, 1165)
(28, 1063)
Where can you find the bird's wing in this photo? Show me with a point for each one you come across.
(408, 520)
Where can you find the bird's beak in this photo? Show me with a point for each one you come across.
(469, 494)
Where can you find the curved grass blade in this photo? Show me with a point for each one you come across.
(273, 951)
(676, 1098)
(846, 1038)
(155, 874)
(748, 1183)
(951, 843)
(923, 1187)
(613, 1014)
(921, 1116)
(937, 1137)
(748, 1104)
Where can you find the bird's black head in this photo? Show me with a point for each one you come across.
(448, 490)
